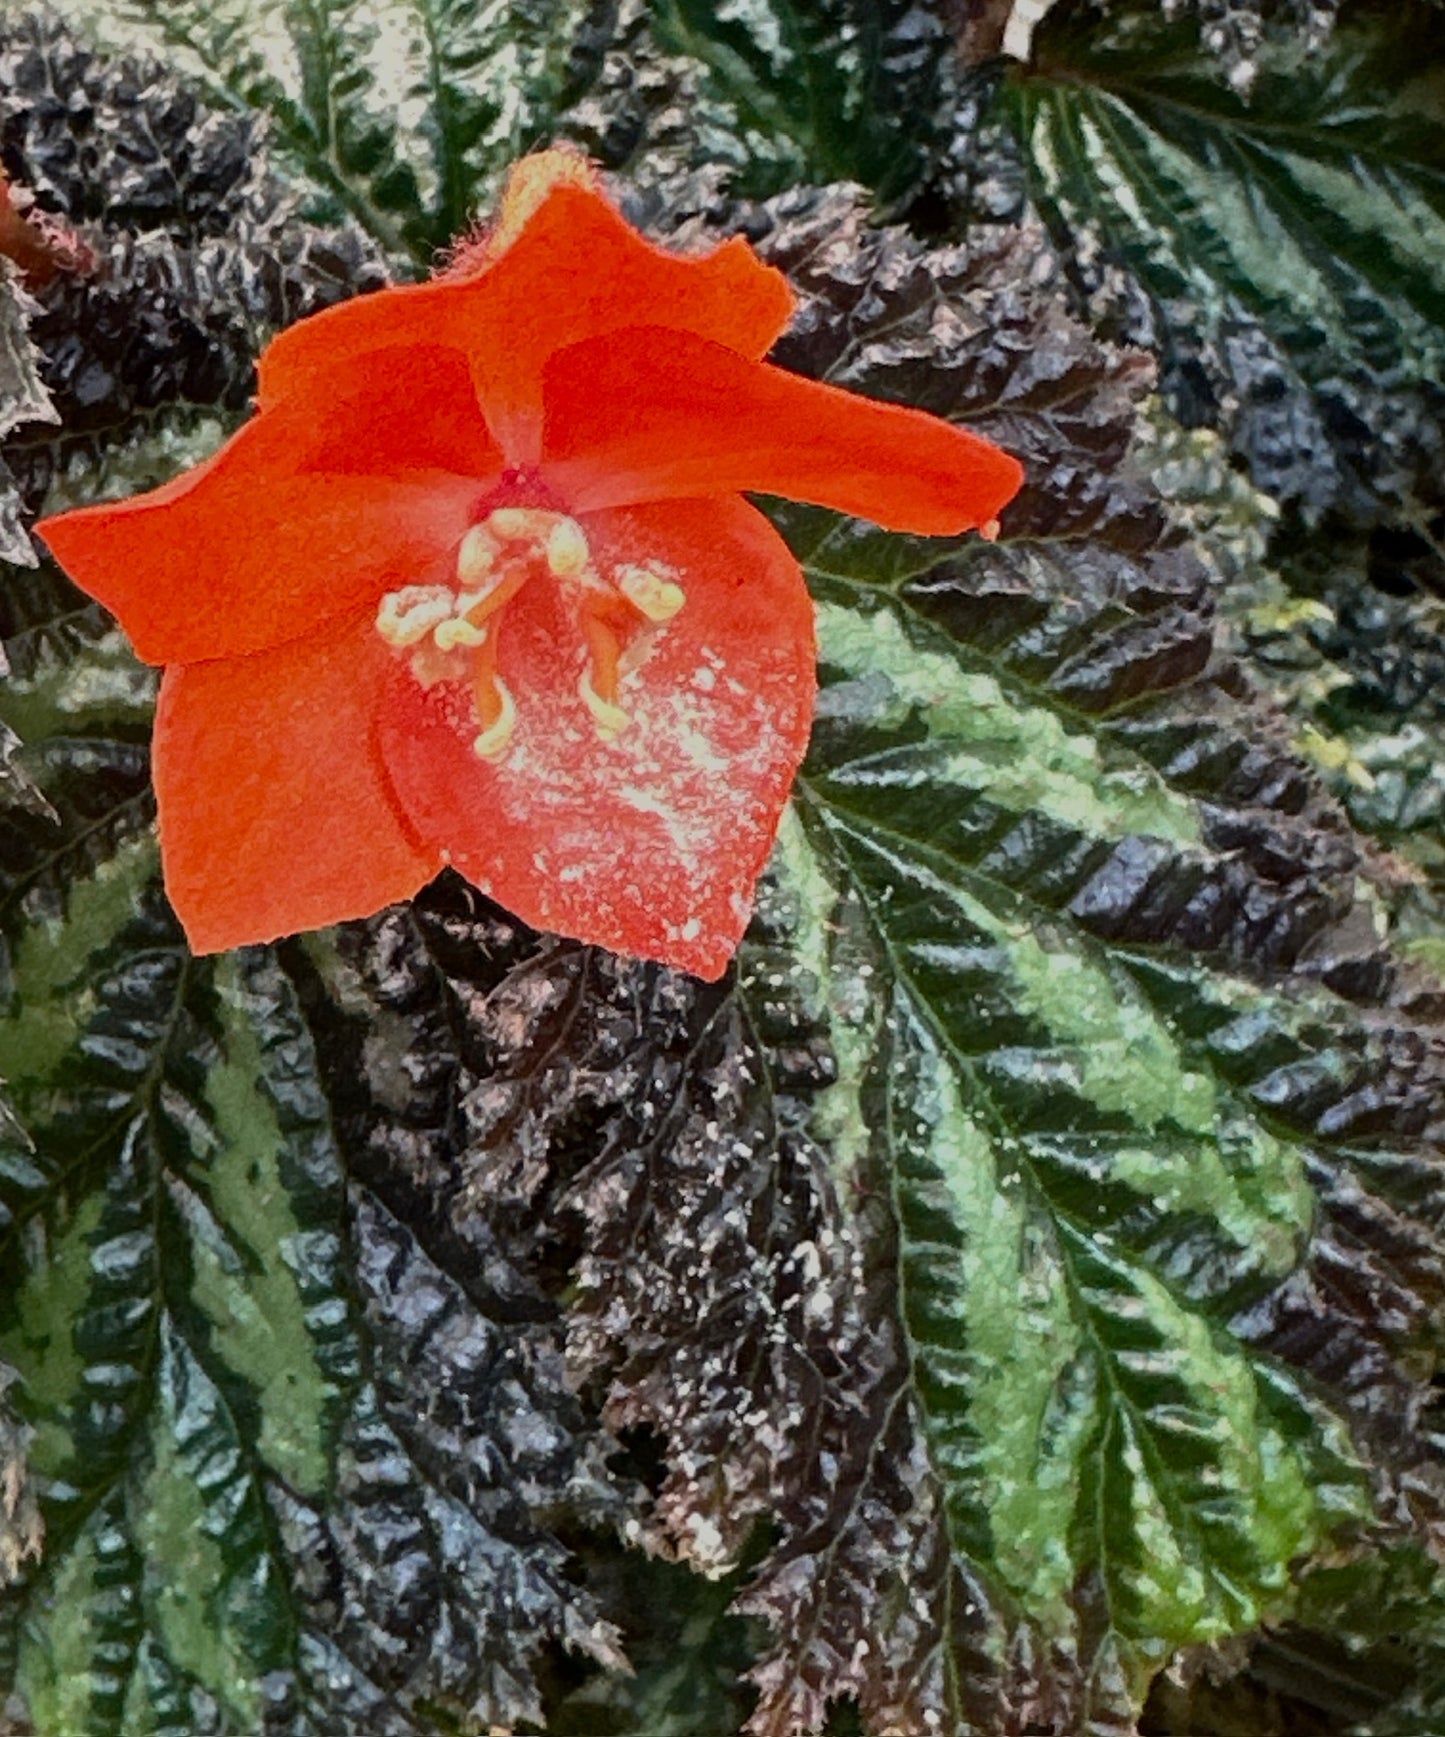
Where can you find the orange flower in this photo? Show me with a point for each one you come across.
(477, 586)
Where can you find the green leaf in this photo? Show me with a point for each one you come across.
(797, 93)
(307, 64)
(84, 702)
(1098, 1095)
(1289, 239)
(167, 1312)
(400, 116)
(1337, 242)
(1083, 1202)
(495, 78)
(403, 115)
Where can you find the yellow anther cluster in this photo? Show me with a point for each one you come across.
(458, 631)
(521, 524)
(451, 631)
(417, 612)
(560, 540)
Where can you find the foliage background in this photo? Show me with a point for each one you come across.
(1012, 1301)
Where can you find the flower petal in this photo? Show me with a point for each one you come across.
(652, 843)
(275, 814)
(576, 269)
(305, 513)
(648, 414)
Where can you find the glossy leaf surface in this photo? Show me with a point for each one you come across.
(1011, 1301)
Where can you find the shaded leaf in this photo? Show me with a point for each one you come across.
(73, 684)
(439, 1524)
(399, 116)
(200, 251)
(638, 1137)
(1029, 796)
(814, 94)
(689, 1653)
(1288, 244)
(1235, 30)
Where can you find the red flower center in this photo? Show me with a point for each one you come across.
(522, 485)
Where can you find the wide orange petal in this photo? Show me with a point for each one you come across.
(649, 414)
(650, 844)
(576, 270)
(308, 511)
(275, 814)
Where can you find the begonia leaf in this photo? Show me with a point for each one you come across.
(1030, 1257)
(23, 401)
(1286, 237)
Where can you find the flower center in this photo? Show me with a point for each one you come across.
(450, 632)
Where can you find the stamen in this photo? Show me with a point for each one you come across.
(567, 551)
(990, 531)
(598, 682)
(495, 707)
(605, 649)
(407, 616)
(478, 608)
(650, 592)
(611, 720)
(452, 631)
(477, 555)
(492, 742)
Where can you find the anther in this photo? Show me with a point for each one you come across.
(407, 616)
(990, 531)
(610, 719)
(477, 555)
(521, 524)
(650, 593)
(450, 634)
(567, 551)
